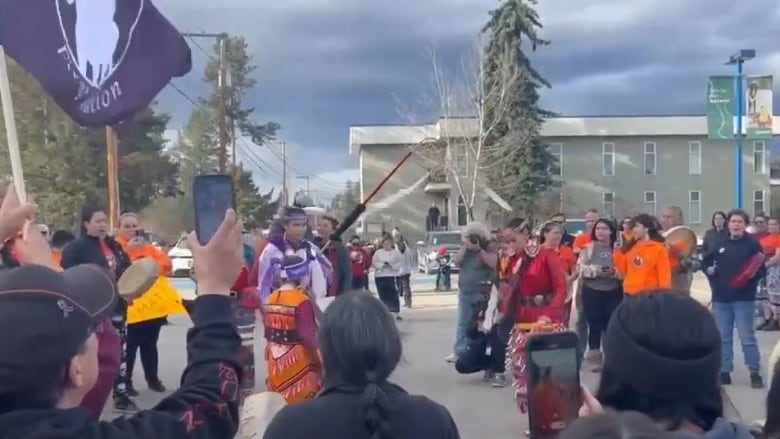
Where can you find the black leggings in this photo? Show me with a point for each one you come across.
(388, 293)
(598, 307)
(143, 336)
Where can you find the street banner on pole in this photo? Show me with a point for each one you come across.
(101, 61)
(720, 108)
(758, 104)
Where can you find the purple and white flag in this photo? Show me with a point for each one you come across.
(101, 61)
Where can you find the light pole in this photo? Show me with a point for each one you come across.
(738, 59)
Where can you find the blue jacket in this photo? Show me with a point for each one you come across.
(729, 257)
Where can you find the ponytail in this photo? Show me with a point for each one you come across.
(375, 406)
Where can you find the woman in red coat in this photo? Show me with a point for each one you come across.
(536, 301)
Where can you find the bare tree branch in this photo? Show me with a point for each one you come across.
(465, 100)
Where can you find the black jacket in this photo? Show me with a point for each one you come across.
(711, 240)
(86, 250)
(336, 414)
(729, 258)
(204, 407)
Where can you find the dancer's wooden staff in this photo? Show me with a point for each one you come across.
(361, 207)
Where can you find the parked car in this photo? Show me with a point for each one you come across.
(426, 250)
(181, 258)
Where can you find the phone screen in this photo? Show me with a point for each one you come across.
(554, 395)
(213, 196)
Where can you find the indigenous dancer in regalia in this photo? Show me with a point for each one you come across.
(315, 284)
(291, 335)
(536, 303)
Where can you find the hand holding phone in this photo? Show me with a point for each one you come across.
(554, 389)
(213, 196)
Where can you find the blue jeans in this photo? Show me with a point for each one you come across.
(739, 315)
(467, 311)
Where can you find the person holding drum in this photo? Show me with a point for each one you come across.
(142, 336)
(536, 302)
(681, 242)
(95, 246)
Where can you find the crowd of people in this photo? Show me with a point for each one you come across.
(544, 276)
(662, 356)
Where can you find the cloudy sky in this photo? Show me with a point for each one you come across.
(324, 65)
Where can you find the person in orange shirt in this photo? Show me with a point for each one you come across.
(142, 336)
(59, 239)
(769, 288)
(550, 236)
(644, 262)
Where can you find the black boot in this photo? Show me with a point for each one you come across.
(123, 403)
(756, 381)
(131, 391)
(156, 386)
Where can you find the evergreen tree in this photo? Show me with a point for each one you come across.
(198, 145)
(523, 174)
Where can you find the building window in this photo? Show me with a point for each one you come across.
(650, 159)
(463, 215)
(694, 207)
(650, 202)
(556, 150)
(694, 158)
(759, 157)
(608, 203)
(759, 202)
(608, 159)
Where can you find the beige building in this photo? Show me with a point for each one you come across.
(619, 165)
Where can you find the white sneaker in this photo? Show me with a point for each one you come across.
(451, 358)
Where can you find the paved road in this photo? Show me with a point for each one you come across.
(479, 410)
(420, 283)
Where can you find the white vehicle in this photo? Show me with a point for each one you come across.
(181, 258)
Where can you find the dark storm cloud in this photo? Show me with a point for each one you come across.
(324, 65)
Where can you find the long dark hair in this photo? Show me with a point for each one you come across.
(546, 228)
(653, 229)
(613, 231)
(360, 347)
(712, 219)
(87, 212)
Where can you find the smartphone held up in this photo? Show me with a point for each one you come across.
(554, 392)
(213, 195)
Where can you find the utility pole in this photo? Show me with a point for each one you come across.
(112, 175)
(308, 181)
(285, 194)
(223, 83)
(222, 108)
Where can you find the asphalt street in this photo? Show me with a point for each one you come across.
(478, 409)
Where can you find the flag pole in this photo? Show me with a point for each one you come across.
(10, 128)
(112, 175)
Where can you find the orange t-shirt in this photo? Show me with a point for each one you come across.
(770, 243)
(644, 267)
(580, 241)
(568, 258)
(146, 250)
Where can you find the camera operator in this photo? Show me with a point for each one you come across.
(477, 267)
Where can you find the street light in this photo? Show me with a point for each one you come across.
(738, 59)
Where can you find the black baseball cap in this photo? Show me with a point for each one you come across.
(45, 318)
